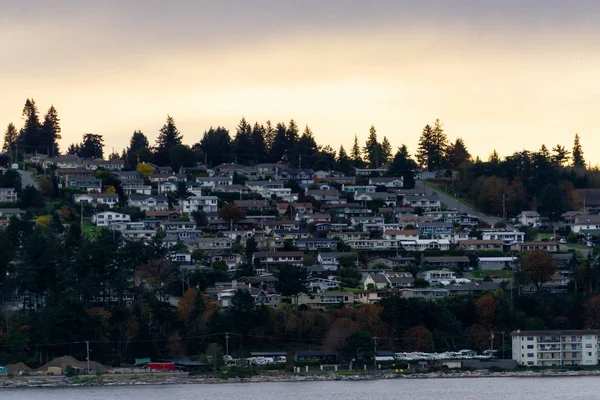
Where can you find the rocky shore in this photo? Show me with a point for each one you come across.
(181, 378)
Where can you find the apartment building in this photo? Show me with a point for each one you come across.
(555, 348)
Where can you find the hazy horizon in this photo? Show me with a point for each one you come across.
(507, 76)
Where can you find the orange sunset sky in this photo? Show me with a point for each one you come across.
(506, 75)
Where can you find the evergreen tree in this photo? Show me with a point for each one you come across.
(560, 156)
(433, 144)
(138, 150)
(73, 149)
(182, 155)
(307, 148)
(292, 136)
(269, 137)
(216, 146)
(403, 165)
(578, 160)
(386, 150)
(50, 133)
(30, 133)
(92, 146)
(242, 143)
(357, 161)
(458, 154)
(168, 137)
(372, 149)
(278, 148)
(344, 163)
(11, 137)
(259, 147)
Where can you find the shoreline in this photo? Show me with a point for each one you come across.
(184, 379)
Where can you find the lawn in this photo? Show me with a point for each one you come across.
(500, 272)
(349, 289)
(544, 235)
(90, 230)
(579, 246)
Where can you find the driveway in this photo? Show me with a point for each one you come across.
(27, 179)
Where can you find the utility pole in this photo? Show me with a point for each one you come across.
(503, 346)
(504, 206)
(227, 344)
(81, 223)
(375, 353)
(491, 340)
(87, 343)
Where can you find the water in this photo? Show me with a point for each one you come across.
(568, 388)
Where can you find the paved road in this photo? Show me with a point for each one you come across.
(452, 202)
(27, 179)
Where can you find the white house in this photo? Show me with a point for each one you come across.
(529, 218)
(439, 277)
(148, 202)
(495, 263)
(430, 202)
(425, 244)
(204, 203)
(586, 222)
(392, 182)
(8, 195)
(111, 200)
(108, 218)
(135, 186)
(213, 181)
(506, 237)
(555, 348)
(330, 260)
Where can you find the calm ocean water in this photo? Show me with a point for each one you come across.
(568, 388)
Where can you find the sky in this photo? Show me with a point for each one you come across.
(505, 75)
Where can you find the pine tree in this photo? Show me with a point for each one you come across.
(404, 166)
(372, 149)
(560, 155)
(216, 146)
(343, 161)
(292, 136)
(73, 149)
(578, 160)
(50, 133)
(433, 143)
(269, 138)
(386, 150)
(242, 143)
(307, 147)
(458, 154)
(29, 134)
(138, 150)
(259, 146)
(92, 146)
(357, 161)
(168, 137)
(279, 146)
(11, 137)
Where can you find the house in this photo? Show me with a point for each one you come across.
(528, 246)
(374, 244)
(425, 244)
(268, 259)
(218, 245)
(156, 178)
(439, 277)
(126, 175)
(363, 220)
(388, 199)
(213, 181)
(434, 228)
(110, 200)
(472, 288)
(375, 281)
(389, 182)
(495, 263)
(529, 218)
(109, 165)
(232, 260)
(425, 293)
(280, 225)
(324, 196)
(305, 176)
(429, 202)
(586, 223)
(314, 244)
(315, 218)
(348, 235)
(87, 184)
(291, 234)
(555, 348)
(321, 300)
(270, 299)
(182, 258)
(178, 225)
(8, 195)
(394, 234)
(388, 280)
(164, 215)
(252, 205)
(270, 170)
(6, 213)
(507, 238)
(148, 202)
(354, 189)
(323, 357)
(108, 218)
(318, 285)
(446, 262)
(369, 171)
(481, 245)
(391, 262)
(257, 186)
(135, 186)
(203, 203)
(331, 260)
(65, 161)
(294, 208)
(590, 199)
(66, 173)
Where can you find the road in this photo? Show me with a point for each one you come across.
(27, 179)
(452, 202)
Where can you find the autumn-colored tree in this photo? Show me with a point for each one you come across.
(145, 170)
(479, 337)
(335, 338)
(417, 338)
(44, 220)
(486, 309)
(539, 266)
(231, 213)
(110, 189)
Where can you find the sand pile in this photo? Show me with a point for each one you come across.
(15, 368)
(65, 361)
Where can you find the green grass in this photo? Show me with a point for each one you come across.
(349, 289)
(461, 200)
(544, 235)
(578, 246)
(90, 230)
(500, 272)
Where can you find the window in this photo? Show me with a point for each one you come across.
(588, 346)
(530, 346)
(530, 355)
(589, 353)
(530, 338)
